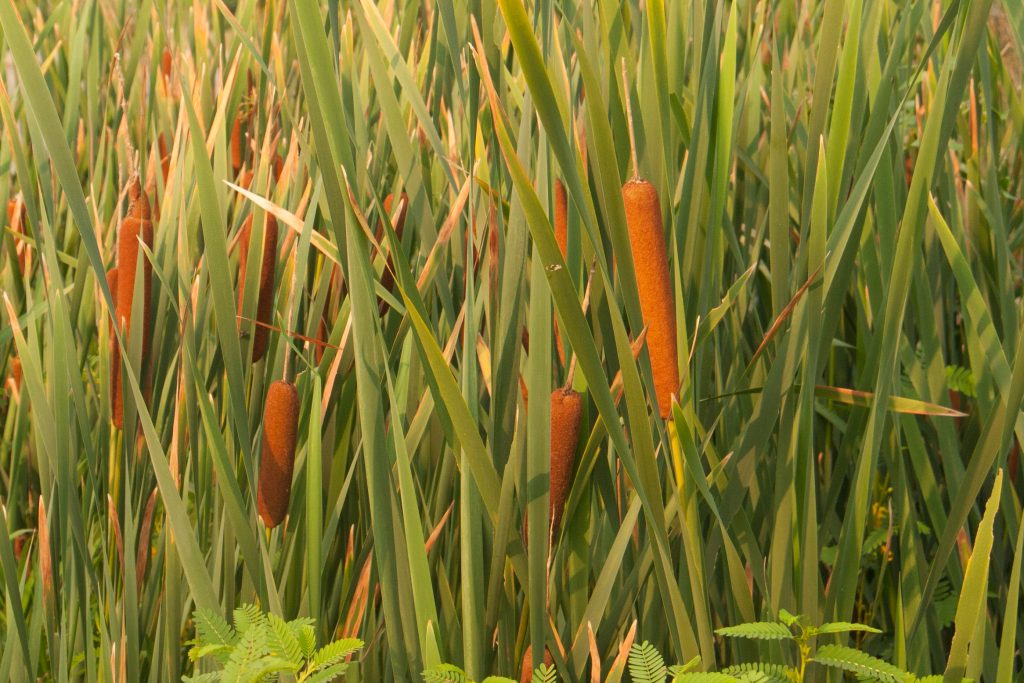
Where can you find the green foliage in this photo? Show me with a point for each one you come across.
(859, 663)
(545, 673)
(760, 630)
(763, 671)
(260, 646)
(646, 664)
(449, 673)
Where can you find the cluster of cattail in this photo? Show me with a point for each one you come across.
(265, 302)
(136, 227)
(277, 455)
(654, 285)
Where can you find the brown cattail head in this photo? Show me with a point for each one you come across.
(526, 668)
(566, 409)
(135, 227)
(236, 144)
(165, 157)
(278, 166)
(561, 217)
(654, 282)
(238, 131)
(245, 179)
(16, 373)
(265, 303)
(280, 423)
(166, 61)
(116, 400)
(387, 278)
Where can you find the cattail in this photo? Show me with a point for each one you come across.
(245, 179)
(116, 404)
(136, 226)
(566, 409)
(562, 237)
(280, 422)
(561, 218)
(165, 157)
(237, 136)
(654, 283)
(527, 666)
(278, 166)
(387, 278)
(16, 373)
(265, 303)
(166, 61)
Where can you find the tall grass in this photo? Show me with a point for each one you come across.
(841, 190)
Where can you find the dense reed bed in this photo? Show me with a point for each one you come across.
(343, 244)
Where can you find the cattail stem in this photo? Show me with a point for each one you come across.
(277, 457)
(654, 285)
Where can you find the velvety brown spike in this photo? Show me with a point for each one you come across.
(526, 668)
(165, 157)
(566, 410)
(116, 401)
(135, 227)
(245, 179)
(166, 62)
(265, 302)
(16, 373)
(277, 456)
(654, 282)
(278, 166)
(236, 143)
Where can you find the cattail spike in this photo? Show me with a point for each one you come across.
(654, 284)
(566, 410)
(277, 457)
